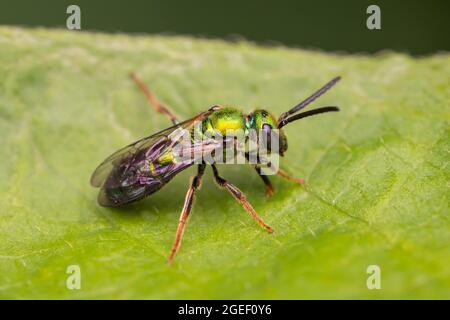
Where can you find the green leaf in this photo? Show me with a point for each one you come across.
(377, 172)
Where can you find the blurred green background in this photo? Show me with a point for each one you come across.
(416, 26)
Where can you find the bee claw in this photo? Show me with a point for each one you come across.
(269, 192)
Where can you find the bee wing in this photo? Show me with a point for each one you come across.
(130, 153)
(121, 156)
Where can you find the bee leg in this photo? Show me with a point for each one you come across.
(158, 106)
(195, 185)
(240, 197)
(267, 183)
(286, 176)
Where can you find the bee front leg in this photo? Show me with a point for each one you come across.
(195, 185)
(267, 183)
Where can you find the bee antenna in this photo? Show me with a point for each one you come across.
(310, 99)
(306, 114)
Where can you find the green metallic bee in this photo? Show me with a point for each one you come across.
(146, 165)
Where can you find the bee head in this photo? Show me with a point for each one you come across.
(264, 120)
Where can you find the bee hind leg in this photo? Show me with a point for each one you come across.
(194, 186)
(154, 102)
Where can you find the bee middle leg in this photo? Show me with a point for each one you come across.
(158, 106)
(240, 197)
(195, 185)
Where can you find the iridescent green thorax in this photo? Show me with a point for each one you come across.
(226, 119)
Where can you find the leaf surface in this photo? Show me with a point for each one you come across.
(377, 172)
